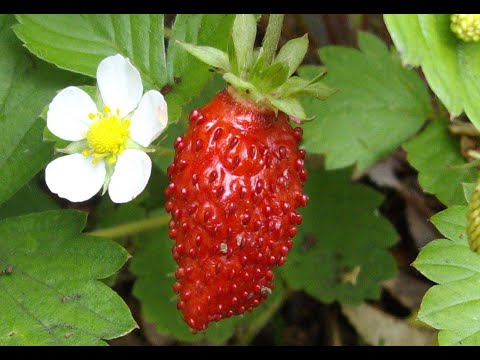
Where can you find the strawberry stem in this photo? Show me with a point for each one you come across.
(272, 35)
(132, 228)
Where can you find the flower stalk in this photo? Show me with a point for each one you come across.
(132, 228)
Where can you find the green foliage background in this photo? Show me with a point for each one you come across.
(50, 293)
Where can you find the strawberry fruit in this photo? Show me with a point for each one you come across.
(235, 184)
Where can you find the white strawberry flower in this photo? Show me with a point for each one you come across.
(109, 144)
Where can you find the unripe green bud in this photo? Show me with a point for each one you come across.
(473, 219)
(466, 26)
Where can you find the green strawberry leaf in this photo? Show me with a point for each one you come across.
(343, 231)
(185, 28)
(79, 42)
(49, 293)
(454, 304)
(433, 153)
(377, 99)
(451, 66)
(27, 85)
(452, 223)
(405, 29)
(107, 214)
(29, 199)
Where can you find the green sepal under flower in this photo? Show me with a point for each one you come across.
(259, 74)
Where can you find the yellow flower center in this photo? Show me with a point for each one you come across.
(107, 135)
(466, 26)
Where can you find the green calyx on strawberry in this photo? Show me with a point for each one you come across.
(259, 75)
(237, 177)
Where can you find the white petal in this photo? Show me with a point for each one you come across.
(130, 177)
(150, 118)
(74, 177)
(67, 115)
(120, 84)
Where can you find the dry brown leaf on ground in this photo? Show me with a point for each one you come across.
(379, 328)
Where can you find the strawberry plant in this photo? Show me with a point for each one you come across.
(269, 181)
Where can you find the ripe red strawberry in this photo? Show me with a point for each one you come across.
(237, 180)
(235, 184)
